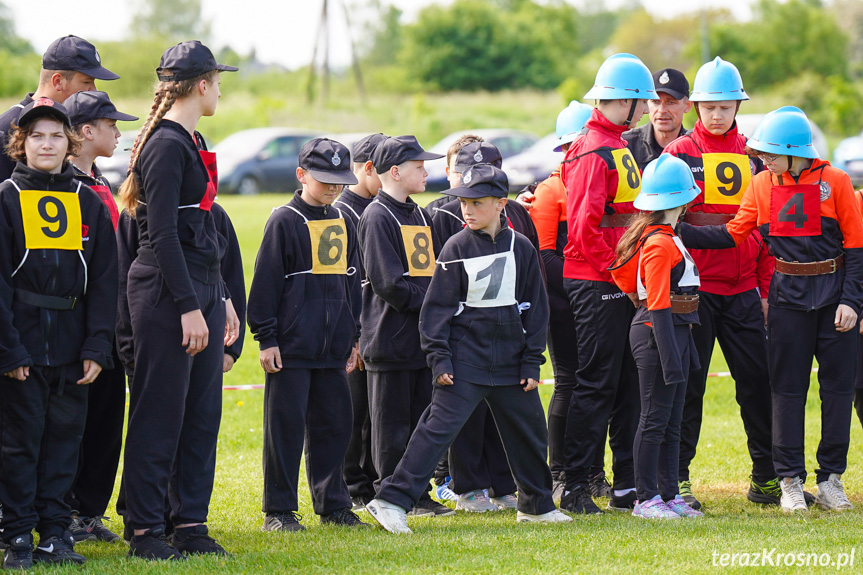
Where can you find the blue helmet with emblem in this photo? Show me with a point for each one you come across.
(621, 77)
(570, 121)
(784, 132)
(667, 183)
(718, 81)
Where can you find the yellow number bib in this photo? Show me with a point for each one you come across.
(418, 249)
(726, 177)
(628, 176)
(52, 220)
(329, 239)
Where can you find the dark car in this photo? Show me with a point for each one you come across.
(260, 160)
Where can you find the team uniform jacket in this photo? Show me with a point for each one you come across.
(447, 221)
(312, 318)
(7, 165)
(485, 345)
(804, 226)
(31, 335)
(549, 217)
(591, 178)
(750, 265)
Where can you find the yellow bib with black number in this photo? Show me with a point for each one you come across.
(52, 220)
(726, 177)
(628, 176)
(329, 243)
(419, 251)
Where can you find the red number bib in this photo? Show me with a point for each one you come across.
(795, 210)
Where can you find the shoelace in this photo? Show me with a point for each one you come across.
(835, 491)
(794, 492)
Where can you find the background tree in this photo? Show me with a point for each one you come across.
(174, 20)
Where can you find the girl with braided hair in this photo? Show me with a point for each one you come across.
(177, 299)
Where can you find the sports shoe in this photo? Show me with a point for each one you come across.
(553, 516)
(625, 502)
(579, 501)
(57, 550)
(684, 489)
(792, 495)
(344, 517)
(195, 540)
(153, 546)
(79, 530)
(557, 489)
(505, 502)
(390, 516)
(765, 493)
(679, 506)
(429, 508)
(94, 527)
(286, 521)
(19, 553)
(475, 502)
(359, 503)
(831, 495)
(599, 486)
(444, 493)
(654, 508)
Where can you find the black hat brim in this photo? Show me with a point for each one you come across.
(423, 156)
(120, 116)
(479, 191)
(40, 112)
(343, 177)
(226, 68)
(100, 73)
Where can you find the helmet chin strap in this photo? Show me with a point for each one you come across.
(631, 112)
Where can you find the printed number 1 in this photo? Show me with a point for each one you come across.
(495, 270)
(799, 217)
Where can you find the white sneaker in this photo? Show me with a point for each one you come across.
(831, 495)
(391, 517)
(792, 495)
(505, 502)
(475, 501)
(553, 516)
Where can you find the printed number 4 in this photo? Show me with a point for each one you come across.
(799, 217)
(495, 270)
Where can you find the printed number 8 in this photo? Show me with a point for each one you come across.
(631, 172)
(420, 258)
(329, 241)
(59, 218)
(735, 179)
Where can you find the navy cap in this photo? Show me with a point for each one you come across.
(672, 82)
(84, 107)
(362, 149)
(481, 181)
(188, 60)
(398, 150)
(74, 53)
(328, 161)
(477, 153)
(41, 107)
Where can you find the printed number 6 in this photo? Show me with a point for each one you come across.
(328, 243)
(59, 218)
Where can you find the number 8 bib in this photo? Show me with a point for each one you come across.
(628, 176)
(418, 249)
(726, 177)
(52, 220)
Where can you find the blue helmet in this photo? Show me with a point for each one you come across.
(717, 81)
(570, 121)
(621, 77)
(786, 132)
(667, 183)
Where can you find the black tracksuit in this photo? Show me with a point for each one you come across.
(44, 327)
(488, 350)
(7, 165)
(313, 319)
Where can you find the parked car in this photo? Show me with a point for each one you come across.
(848, 156)
(534, 164)
(746, 124)
(509, 142)
(260, 160)
(115, 167)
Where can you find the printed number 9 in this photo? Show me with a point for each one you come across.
(330, 242)
(734, 179)
(420, 258)
(631, 172)
(58, 218)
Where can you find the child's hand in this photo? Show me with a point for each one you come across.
(529, 384)
(354, 360)
(19, 373)
(526, 200)
(196, 335)
(227, 363)
(846, 318)
(271, 360)
(91, 371)
(232, 324)
(444, 379)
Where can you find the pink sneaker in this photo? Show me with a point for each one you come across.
(654, 509)
(679, 506)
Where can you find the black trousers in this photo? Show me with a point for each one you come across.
(41, 426)
(737, 323)
(605, 395)
(360, 471)
(477, 459)
(311, 406)
(795, 337)
(858, 385)
(520, 421)
(397, 400)
(175, 405)
(102, 444)
(657, 441)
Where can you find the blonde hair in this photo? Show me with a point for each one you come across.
(461, 143)
(46, 75)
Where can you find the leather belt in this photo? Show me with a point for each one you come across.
(680, 303)
(616, 220)
(704, 219)
(45, 301)
(810, 268)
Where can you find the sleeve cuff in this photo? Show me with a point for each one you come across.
(530, 372)
(15, 358)
(441, 366)
(267, 343)
(98, 351)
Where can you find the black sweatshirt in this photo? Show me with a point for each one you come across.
(353, 206)
(485, 345)
(31, 335)
(312, 318)
(7, 164)
(391, 299)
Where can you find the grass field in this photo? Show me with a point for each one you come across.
(494, 543)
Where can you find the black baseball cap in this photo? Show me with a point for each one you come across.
(41, 107)
(362, 149)
(481, 181)
(74, 53)
(188, 60)
(477, 153)
(397, 150)
(85, 107)
(328, 161)
(672, 82)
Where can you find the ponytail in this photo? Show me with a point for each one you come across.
(630, 242)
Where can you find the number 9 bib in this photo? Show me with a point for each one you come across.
(52, 220)
(726, 177)
(628, 176)
(328, 246)
(418, 249)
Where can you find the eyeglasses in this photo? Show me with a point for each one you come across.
(771, 158)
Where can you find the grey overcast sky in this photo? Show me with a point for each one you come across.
(282, 31)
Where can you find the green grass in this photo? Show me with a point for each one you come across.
(494, 543)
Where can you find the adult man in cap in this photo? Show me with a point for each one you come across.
(666, 117)
(69, 65)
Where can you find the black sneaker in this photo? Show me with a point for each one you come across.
(79, 530)
(764, 492)
(287, 521)
(97, 530)
(195, 540)
(809, 498)
(19, 553)
(57, 550)
(599, 486)
(625, 502)
(579, 501)
(429, 507)
(151, 545)
(344, 517)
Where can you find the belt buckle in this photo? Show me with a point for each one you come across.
(833, 267)
(74, 301)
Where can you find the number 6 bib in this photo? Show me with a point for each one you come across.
(328, 238)
(52, 220)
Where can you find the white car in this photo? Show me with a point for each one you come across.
(848, 156)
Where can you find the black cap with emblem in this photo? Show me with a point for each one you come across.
(398, 150)
(188, 60)
(85, 107)
(672, 82)
(41, 107)
(481, 181)
(328, 161)
(77, 54)
(477, 153)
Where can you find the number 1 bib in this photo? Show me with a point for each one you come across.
(628, 176)
(52, 220)
(726, 177)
